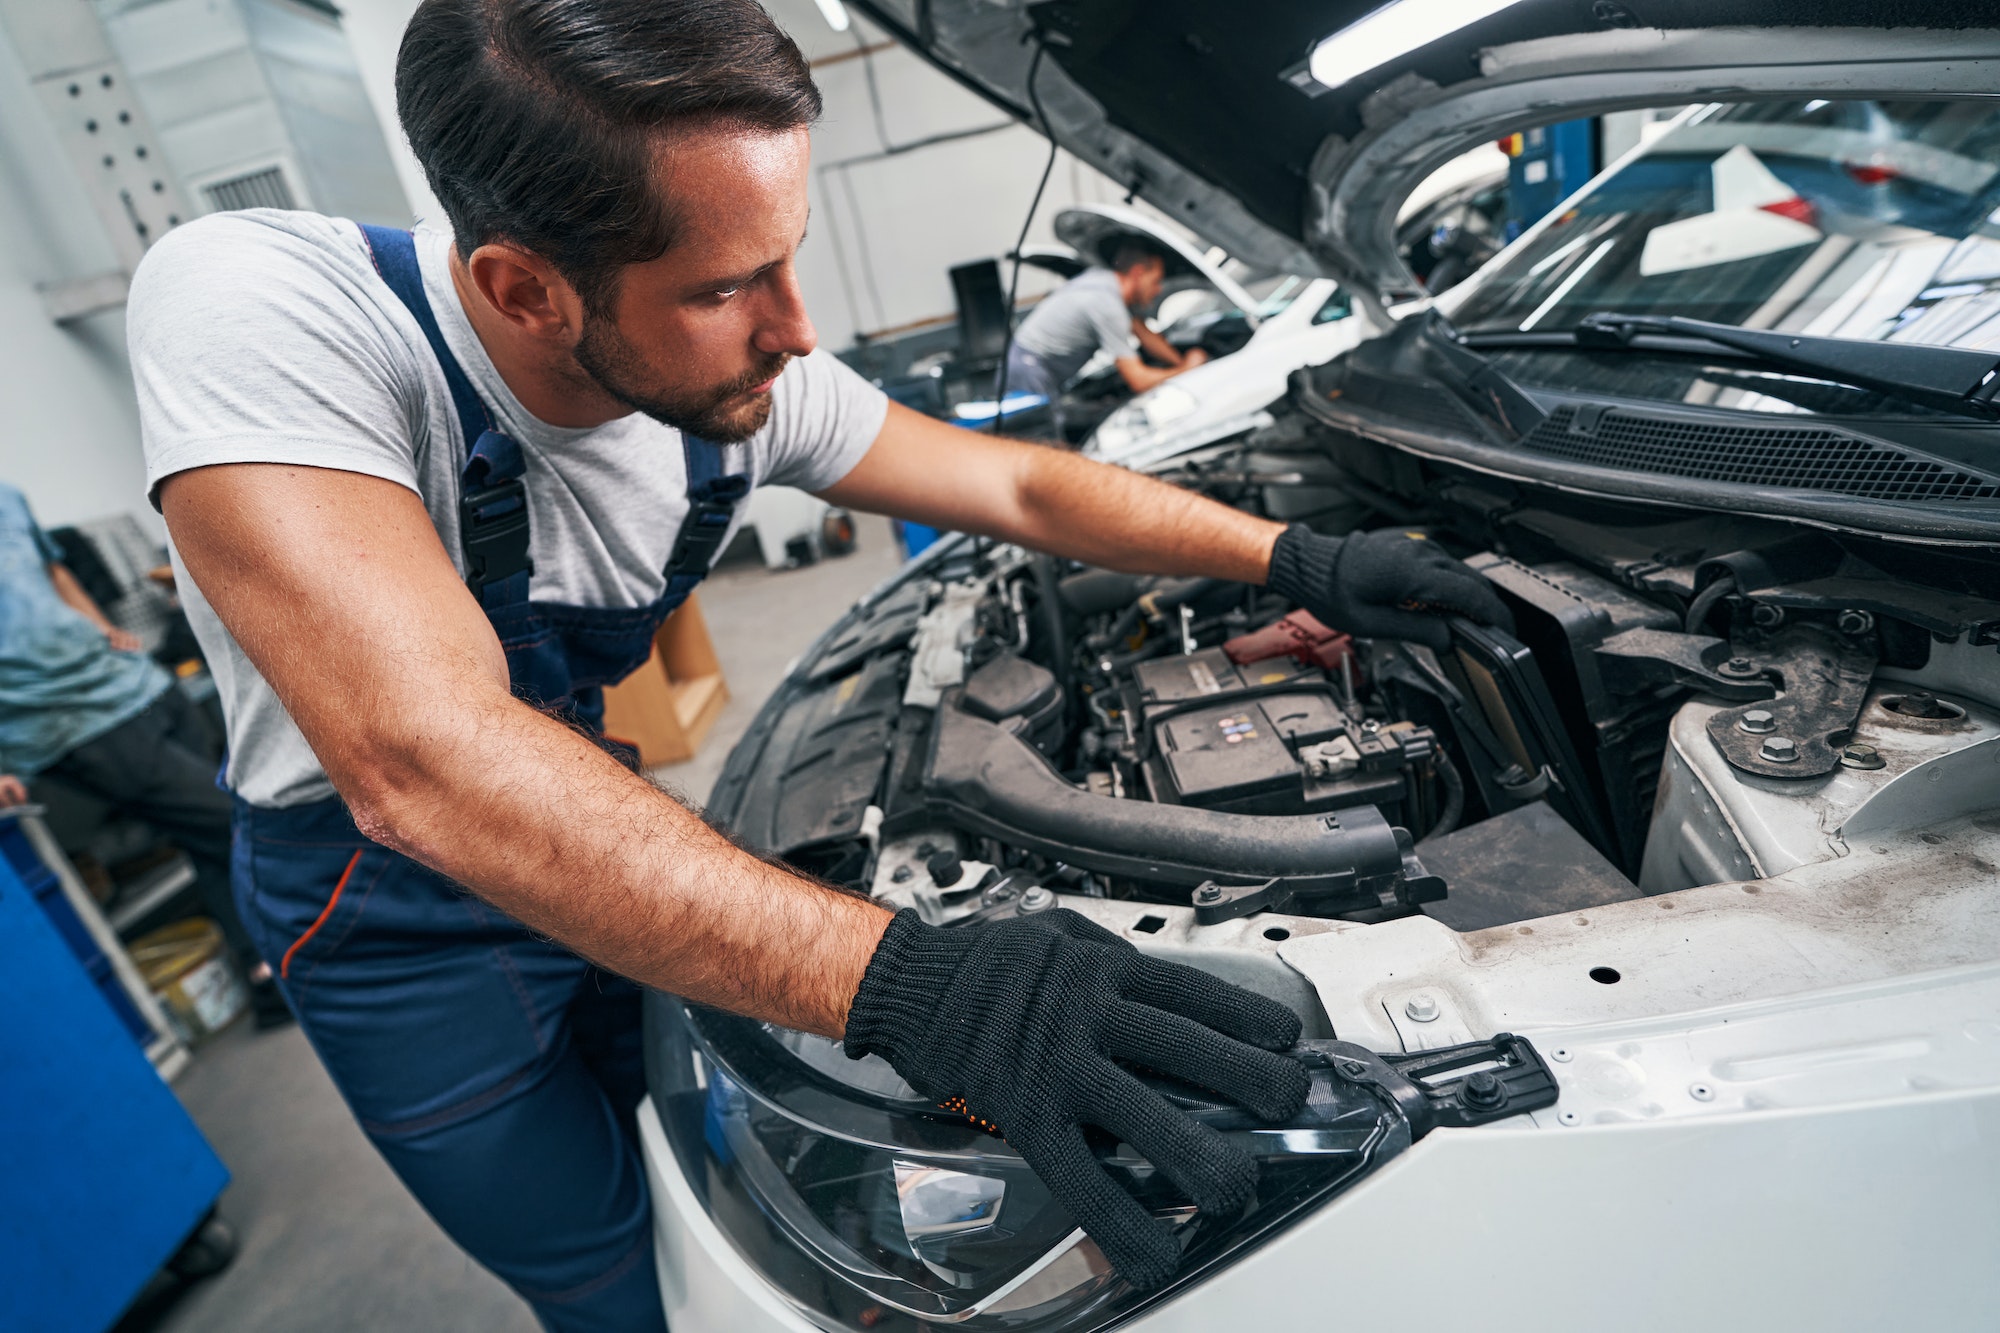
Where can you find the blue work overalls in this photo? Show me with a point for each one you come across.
(496, 1071)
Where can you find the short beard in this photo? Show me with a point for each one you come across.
(719, 415)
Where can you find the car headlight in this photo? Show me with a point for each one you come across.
(1153, 410)
(874, 1209)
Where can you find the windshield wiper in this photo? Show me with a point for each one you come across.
(1950, 379)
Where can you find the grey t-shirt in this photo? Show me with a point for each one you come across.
(1073, 321)
(269, 337)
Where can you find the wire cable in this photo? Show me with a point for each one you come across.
(1014, 279)
(1705, 601)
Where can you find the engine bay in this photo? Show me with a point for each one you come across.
(995, 731)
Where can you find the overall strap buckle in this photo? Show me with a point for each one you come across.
(706, 526)
(493, 533)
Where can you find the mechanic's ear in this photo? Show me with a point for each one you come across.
(525, 290)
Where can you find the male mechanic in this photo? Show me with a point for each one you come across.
(431, 494)
(1097, 309)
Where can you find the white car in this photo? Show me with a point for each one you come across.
(1648, 955)
(1230, 396)
(1305, 322)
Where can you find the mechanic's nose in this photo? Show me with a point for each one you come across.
(787, 330)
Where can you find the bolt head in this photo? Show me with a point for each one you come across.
(1766, 616)
(1780, 750)
(1483, 1090)
(1739, 667)
(1861, 756)
(1208, 893)
(1758, 721)
(1855, 622)
(1037, 899)
(1421, 1008)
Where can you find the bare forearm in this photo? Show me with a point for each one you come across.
(336, 586)
(1156, 347)
(1052, 500)
(77, 599)
(1118, 519)
(575, 846)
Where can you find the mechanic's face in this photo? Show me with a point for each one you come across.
(1149, 276)
(697, 336)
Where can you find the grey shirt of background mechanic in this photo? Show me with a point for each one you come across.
(1072, 322)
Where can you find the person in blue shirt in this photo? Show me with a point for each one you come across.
(81, 702)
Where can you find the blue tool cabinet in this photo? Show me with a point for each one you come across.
(102, 1173)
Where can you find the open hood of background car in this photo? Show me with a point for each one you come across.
(1094, 231)
(1210, 111)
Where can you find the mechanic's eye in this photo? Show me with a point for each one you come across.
(724, 293)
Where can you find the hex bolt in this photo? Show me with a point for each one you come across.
(1037, 899)
(1854, 623)
(1758, 721)
(1483, 1091)
(1861, 756)
(1422, 1008)
(1701, 1092)
(1780, 750)
(1766, 616)
(1208, 893)
(1737, 668)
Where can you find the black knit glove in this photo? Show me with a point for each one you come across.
(1019, 1023)
(1389, 584)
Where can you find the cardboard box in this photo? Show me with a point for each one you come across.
(666, 707)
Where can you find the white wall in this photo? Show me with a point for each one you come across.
(69, 426)
(906, 219)
(375, 29)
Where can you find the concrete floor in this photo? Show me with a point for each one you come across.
(329, 1239)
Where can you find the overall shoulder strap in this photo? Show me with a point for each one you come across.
(712, 500)
(492, 499)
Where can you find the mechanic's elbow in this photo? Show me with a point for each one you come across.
(391, 798)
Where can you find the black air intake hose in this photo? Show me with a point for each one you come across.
(986, 779)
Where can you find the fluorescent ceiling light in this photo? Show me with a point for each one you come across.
(835, 14)
(1392, 32)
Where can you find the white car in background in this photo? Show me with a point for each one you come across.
(1306, 322)
(1230, 396)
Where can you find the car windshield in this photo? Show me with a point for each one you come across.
(1870, 220)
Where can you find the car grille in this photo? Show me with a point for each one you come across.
(1806, 458)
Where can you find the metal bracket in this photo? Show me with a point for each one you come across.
(1823, 683)
(1457, 1086)
(1641, 658)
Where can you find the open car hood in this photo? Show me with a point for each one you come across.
(1094, 231)
(1209, 112)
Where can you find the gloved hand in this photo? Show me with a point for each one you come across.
(1019, 1023)
(1388, 584)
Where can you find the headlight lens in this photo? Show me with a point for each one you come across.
(872, 1208)
(1153, 410)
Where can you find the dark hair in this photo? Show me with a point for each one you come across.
(1131, 251)
(539, 121)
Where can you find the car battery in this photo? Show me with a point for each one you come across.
(1243, 755)
(1174, 680)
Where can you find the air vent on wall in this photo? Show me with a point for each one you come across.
(1806, 458)
(265, 187)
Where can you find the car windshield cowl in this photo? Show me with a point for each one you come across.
(1963, 381)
